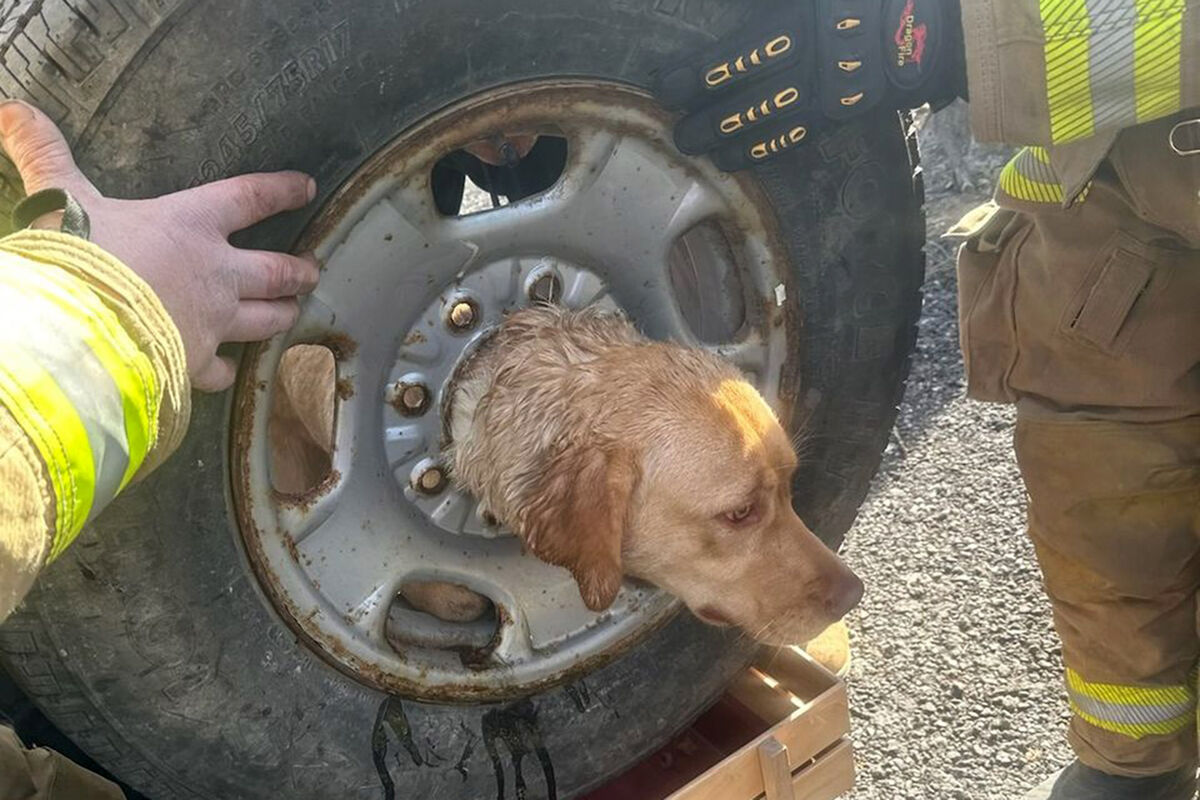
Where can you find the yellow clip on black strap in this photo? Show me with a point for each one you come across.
(74, 221)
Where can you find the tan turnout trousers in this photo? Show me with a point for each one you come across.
(1087, 317)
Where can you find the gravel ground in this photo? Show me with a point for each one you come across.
(955, 690)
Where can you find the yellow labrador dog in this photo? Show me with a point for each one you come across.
(613, 455)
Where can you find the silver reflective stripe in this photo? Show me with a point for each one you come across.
(1125, 714)
(62, 351)
(1114, 98)
(1033, 163)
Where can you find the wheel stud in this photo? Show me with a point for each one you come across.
(462, 316)
(546, 289)
(431, 481)
(410, 399)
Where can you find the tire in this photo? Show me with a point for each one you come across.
(149, 643)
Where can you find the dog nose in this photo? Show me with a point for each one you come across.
(845, 593)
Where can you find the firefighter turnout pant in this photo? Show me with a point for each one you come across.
(1085, 312)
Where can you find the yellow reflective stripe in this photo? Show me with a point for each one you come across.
(50, 420)
(1066, 28)
(1028, 177)
(1158, 53)
(129, 368)
(1130, 695)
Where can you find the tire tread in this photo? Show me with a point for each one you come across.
(65, 56)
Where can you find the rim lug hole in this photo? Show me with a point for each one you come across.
(410, 399)
(431, 481)
(463, 316)
(546, 289)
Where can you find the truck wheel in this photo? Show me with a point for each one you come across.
(220, 633)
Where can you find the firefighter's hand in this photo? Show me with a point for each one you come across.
(802, 65)
(179, 244)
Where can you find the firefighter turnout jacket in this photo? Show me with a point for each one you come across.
(93, 394)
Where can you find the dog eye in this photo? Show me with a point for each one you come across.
(740, 516)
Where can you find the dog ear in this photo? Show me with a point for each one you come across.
(578, 515)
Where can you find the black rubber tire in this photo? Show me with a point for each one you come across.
(148, 643)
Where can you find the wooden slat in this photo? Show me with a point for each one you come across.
(831, 776)
(776, 772)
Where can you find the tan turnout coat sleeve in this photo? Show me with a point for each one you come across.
(76, 324)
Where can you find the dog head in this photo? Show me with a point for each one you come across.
(685, 482)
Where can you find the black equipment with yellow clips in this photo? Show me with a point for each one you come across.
(802, 65)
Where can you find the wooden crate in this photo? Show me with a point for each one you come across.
(780, 732)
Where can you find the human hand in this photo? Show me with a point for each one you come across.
(179, 244)
(803, 65)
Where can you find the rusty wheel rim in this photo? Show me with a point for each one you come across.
(407, 293)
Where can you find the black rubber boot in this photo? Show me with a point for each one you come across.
(1080, 782)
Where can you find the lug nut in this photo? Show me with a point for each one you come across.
(410, 399)
(546, 289)
(432, 480)
(462, 316)
(414, 398)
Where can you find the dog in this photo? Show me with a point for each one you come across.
(613, 455)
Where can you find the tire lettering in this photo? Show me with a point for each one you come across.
(209, 171)
(313, 63)
(229, 150)
(292, 82)
(245, 130)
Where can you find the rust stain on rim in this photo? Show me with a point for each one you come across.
(305, 500)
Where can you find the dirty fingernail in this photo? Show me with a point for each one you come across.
(312, 189)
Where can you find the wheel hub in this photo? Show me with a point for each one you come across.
(431, 353)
